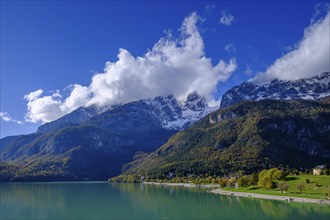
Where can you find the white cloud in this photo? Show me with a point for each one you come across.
(78, 97)
(173, 66)
(33, 95)
(309, 58)
(226, 19)
(51, 107)
(230, 48)
(5, 116)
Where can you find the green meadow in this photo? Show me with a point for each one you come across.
(318, 187)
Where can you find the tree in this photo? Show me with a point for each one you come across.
(265, 182)
(284, 186)
(222, 183)
(279, 175)
(271, 172)
(262, 173)
(213, 180)
(230, 183)
(243, 181)
(198, 182)
(326, 190)
(301, 187)
(130, 179)
(295, 172)
(254, 179)
(209, 179)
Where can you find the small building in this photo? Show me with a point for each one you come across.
(318, 169)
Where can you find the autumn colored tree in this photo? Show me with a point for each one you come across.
(243, 181)
(300, 187)
(279, 175)
(265, 182)
(284, 187)
(254, 179)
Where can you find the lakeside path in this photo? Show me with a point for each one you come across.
(272, 197)
(214, 189)
(207, 186)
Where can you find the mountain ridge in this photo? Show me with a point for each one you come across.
(115, 135)
(93, 143)
(244, 138)
(308, 88)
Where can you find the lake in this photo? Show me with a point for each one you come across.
(102, 200)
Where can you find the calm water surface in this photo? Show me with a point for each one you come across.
(101, 200)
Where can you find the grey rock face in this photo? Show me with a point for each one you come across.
(310, 88)
(195, 102)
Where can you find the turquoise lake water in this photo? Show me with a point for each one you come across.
(102, 200)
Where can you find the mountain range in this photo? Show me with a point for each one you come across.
(93, 143)
(244, 138)
(309, 88)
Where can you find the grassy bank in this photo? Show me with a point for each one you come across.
(317, 188)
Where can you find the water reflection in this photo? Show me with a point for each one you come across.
(129, 201)
(194, 203)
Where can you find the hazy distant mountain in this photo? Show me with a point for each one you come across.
(310, 88)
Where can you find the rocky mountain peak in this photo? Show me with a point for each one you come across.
(195, 102)
(309, 88)
(166, 108)
(167, 111)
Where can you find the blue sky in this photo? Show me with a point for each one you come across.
(51, 45)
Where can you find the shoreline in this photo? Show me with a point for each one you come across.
(216, 190)
(189, 185)
(271, 197)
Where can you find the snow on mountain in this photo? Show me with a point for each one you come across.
(310, 88)
(173, 114)
(178, 115)
(170, 113)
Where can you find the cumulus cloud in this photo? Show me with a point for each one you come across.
(79, 96)
(33, 95)
(226, 19)
(51, 107)
(309, 57)
(5, 117)
(175, 66)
